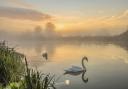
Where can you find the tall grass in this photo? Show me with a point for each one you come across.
(34, 79)
(14, 74)
(11, 66)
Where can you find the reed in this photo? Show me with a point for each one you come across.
(36, 80)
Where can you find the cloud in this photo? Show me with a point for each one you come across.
(17, 3)
(124, 15)
(109, 25)
(23, 14)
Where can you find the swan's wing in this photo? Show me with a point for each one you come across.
(76, 67)
(68, 70)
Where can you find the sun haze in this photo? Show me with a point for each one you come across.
(70, 17)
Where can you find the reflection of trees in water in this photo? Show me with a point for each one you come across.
(38, 48)
(122, 44)
(45, 46)
(50, 46)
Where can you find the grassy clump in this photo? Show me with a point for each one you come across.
(14, 74)
(11, 66)
(36, 80)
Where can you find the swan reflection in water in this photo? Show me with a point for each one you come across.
(76, 70)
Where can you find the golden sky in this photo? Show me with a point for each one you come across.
(71, 17)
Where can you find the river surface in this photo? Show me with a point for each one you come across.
(107, 66)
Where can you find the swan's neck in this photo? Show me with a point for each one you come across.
(83, 63)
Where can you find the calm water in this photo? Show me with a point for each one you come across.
(107, 67)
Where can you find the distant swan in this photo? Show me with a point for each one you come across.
(45, 55)
(77, 69)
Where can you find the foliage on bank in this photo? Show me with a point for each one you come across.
(15, 74)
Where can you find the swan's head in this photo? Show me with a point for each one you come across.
(85, 58)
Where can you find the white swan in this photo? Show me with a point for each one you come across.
(77, 69)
